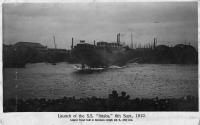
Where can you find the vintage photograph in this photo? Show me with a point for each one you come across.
(100, 57)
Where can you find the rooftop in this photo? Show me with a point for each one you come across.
(30, 44)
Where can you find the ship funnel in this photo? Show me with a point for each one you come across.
(154, 42)
(117, 38)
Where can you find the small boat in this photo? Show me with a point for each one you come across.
(86, 68)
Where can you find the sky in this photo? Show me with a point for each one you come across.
(171, 22)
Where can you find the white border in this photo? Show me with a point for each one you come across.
(50, 118)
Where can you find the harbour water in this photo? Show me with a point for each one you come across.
(43, 80)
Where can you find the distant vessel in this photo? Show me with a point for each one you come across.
(100, 55)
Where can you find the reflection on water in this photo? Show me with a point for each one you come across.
(138, 80)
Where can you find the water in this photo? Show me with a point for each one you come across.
(138, 80)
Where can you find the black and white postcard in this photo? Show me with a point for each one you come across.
(100, 57)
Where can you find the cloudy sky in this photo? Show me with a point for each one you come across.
(171, 23)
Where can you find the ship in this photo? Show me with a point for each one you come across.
(101, 54)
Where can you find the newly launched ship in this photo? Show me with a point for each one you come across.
(100, 54)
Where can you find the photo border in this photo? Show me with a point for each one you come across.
(44, 118)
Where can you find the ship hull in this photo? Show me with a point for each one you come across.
(94, 56)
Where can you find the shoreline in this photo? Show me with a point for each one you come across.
(30, 64)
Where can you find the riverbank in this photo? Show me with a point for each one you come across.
(114, 102)
(18, 55)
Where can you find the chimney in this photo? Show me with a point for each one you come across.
(156, 42)
(131, 41)
(119, 38)
(72, 46)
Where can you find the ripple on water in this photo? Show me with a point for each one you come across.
(141, 80)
